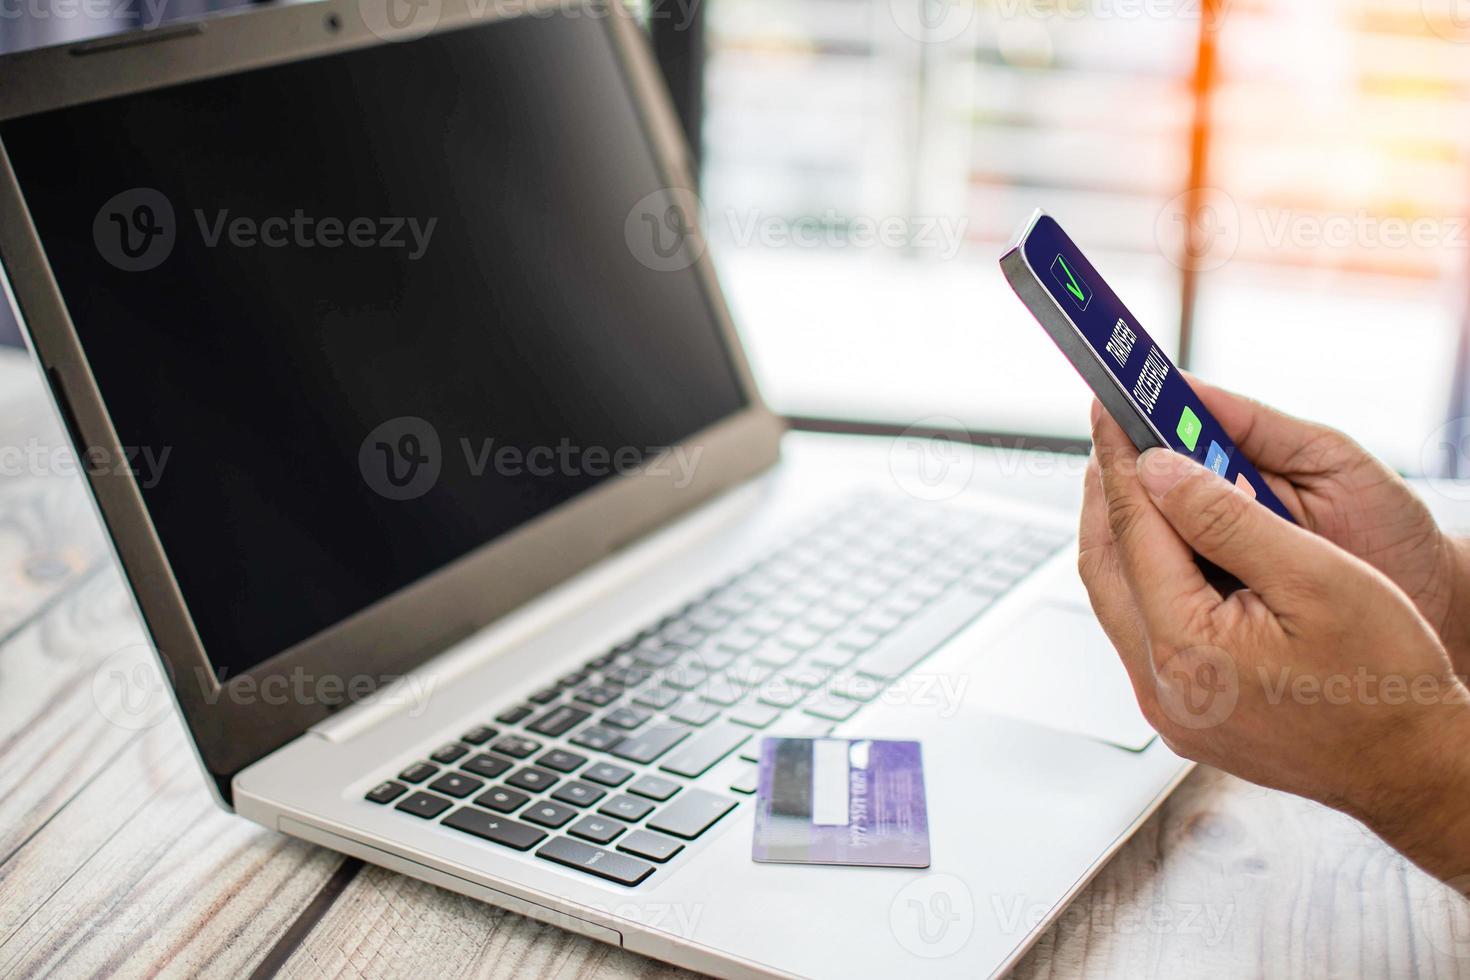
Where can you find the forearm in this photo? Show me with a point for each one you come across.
(1424, 813)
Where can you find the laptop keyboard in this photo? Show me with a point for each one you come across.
(594, 772)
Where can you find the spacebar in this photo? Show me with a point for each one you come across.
(922, 635)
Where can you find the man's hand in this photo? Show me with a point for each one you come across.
(1321, 678)
(1342, 492)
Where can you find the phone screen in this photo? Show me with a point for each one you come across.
(1142, 370)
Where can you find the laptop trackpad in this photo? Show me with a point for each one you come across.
(1056, 667)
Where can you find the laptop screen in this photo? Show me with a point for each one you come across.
(357, 316)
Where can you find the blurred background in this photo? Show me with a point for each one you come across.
(1277, 188)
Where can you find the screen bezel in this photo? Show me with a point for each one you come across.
(231, 729)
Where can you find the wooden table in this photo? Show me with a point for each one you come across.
(113, 859)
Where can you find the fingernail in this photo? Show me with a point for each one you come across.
(1160, 469)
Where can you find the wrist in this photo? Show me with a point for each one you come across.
(1424, 812)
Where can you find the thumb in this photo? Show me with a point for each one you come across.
(1227, 526)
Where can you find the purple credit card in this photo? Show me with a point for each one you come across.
(841, 801)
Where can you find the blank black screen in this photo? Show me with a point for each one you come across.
(263, 370)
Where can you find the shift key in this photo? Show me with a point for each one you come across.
(691, 814)
(706, 749)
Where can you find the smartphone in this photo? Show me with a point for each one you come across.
(1133, 378)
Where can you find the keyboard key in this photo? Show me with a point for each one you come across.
(594, 860)
(561, 760)
(418, 772)
(448, 753)
(479, 735)
(545, 814)
(780, 693)
(424, 805)
(626, 808)
(824, 704)
(686, 675)
(514, 715)
(695, 713)
(654, 787)
(652, 846)
(657, 698)
(607, 774)
(599, 830)
(532, 779)
(456, 785)
(722, 691)
(558, 721)
(651, 743)
(747, 781)
(501, 799)
(856, 687)
(691, 814)
(572, 679)
(775, 656)
(754, 715)
(705, 749)
(597, 695)
(489, 766)
(545, 697)
(597, 737)
(386, 792)
(625, 718)
(578, 793)
(516, 747)
(921, 636)
(499, 830)
(627, 676)
(656, 656)
(832, 657)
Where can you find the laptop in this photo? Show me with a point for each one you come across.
(467, 545)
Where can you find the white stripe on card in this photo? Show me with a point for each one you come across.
(829, 782)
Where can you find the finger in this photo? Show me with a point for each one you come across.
(1167, 585)
(1269, 438)
(1108, 591)
(1214, 517)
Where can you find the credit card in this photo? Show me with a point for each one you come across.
(841, 801)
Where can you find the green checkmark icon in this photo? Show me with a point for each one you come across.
(1071, 284)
